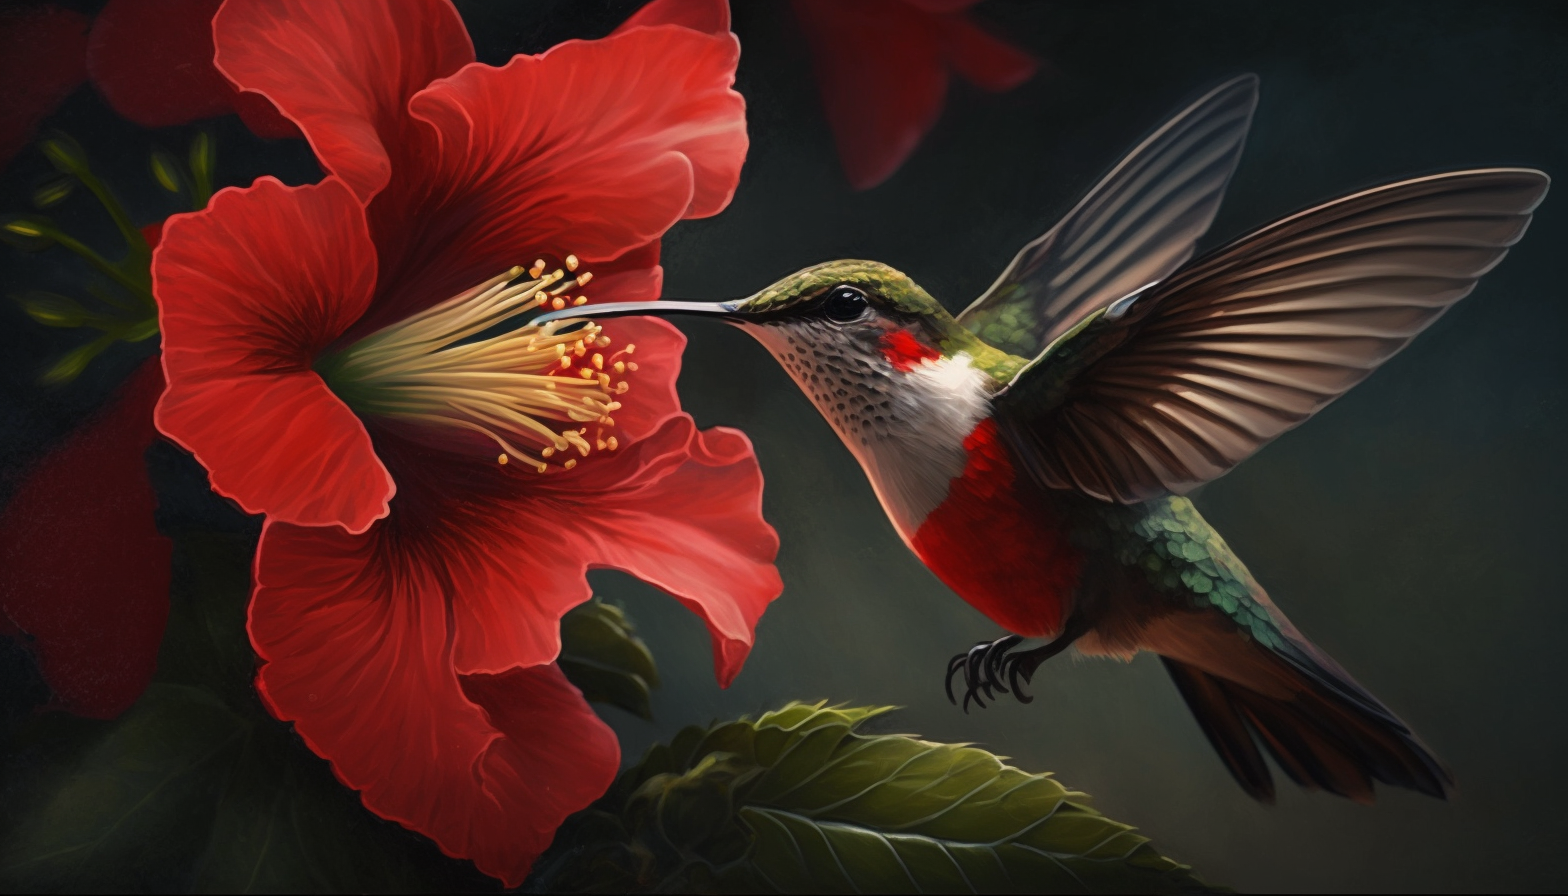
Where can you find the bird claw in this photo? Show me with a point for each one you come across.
(985, 666)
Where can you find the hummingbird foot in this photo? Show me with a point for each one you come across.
(988, 664)
(982, 666)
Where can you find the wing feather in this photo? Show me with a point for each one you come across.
(1137, 225)
(1240, 346)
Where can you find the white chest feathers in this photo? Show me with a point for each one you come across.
(914, 459)
(907, 428)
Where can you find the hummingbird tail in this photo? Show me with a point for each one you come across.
(1322, 728)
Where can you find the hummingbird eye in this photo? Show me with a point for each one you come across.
(844, 304)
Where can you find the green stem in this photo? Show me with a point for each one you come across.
(102, 264)
(133, 237)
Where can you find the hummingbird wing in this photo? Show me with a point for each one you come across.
(1138, 225)
(1170, 390)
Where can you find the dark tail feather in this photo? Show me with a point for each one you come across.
(1329, 733)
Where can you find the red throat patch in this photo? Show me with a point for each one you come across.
(905, 352)
(1001, 548)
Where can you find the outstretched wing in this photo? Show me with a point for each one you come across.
(1205, 369)
(1134, 228)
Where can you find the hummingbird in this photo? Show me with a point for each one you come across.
(1035, 450)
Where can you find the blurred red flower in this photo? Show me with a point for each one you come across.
(150, 59)
(41, 62)
(84, 572)
(882, 68)
(434, 493)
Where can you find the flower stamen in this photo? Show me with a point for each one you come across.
(437, 369)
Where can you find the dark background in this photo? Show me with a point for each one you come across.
(1414, 529)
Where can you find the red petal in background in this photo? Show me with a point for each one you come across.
(983, 60)
(360, 657)
(707, 16)
(83, 569)
(41, 52)
(344, 71)
(249, 291)
(882, 76)
(942, 6)
(152, 61)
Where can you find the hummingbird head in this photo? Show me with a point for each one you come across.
(858, 313)
(898, 379)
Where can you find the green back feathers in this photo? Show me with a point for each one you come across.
(1183, 557)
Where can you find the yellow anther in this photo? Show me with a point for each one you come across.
(571, 462)
(631, 365)
(629, 348)
(602, 341)
(566, 362)
(537, 269)
(611, 443)
(571, 262)
(580, 348)
(501, 460)
(619, 367)
(621, 387)
(558, 303)
(584, 277)
(580, 300)
(598, 361)
(560, 349)
(585, 373)
(604, 380)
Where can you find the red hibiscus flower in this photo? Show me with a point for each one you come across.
(435, 492)
(40, 64)
(882, 67)
(151, 59)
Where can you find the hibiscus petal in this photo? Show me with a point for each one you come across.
(707, 16)
(152, 60)
(83, 569)
(249, 291)
(343, 71)
(593, 148)
(633, 277)
(880, 71)
(650, 397)
(986, 61)
(40, 64)
(681, 510)
(356, 648)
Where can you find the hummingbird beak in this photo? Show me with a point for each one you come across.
(627, 309)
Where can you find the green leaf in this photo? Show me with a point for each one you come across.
(72, 363)
(54, 310)
(204, 158)
(801, 800)
(27, 234)
(602, 655)
(159, 768)
(54, 192)
(166, 170)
